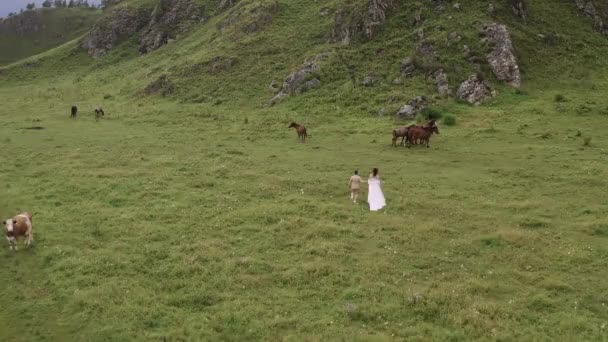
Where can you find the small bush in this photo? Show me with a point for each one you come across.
(430, 113)
(449, 120)
(587, 141)
(560, 98)
(579, 133)
(420, 118)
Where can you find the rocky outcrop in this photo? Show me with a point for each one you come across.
(162, 86)
(120, 24)
(301, 80)
(502, 58)
(412, 108)
(169, 18)
(352, 22)
(249, 18)
(519, 8)
(224, 4)
(440, 78)
(588, 8)
(408, 67)
(474, 90)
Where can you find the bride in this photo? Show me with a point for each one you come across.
(375, 197)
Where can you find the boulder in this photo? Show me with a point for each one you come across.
(224, 4)
(301, 80)
(162, 85)
(519, 8)
(474, 90)
(408, 67)
(501, 58)
(588, 8)
(370, 80)
(440, 78)
(412, 108)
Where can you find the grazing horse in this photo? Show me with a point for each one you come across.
(400, 132)
(301, 130)
(20, 225)
(74, 112)
(422, 134)
(98, 113)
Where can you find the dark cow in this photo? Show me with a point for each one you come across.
(74, 112)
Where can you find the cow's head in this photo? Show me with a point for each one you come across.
(10, 229)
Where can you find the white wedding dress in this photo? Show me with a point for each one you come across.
(375, 197)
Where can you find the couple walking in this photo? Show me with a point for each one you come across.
(375, 197)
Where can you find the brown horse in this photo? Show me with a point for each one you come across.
(99, 113)
(400, 132)
(422, 134)
(301, 130)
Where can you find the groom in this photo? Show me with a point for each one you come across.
(355, 186)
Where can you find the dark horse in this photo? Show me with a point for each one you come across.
(301, 130)
(74, 112)
(98, 113)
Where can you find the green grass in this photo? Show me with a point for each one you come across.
(200, 217)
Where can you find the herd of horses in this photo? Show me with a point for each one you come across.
(412, 134)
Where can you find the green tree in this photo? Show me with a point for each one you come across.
(31, 6)
(47, 3)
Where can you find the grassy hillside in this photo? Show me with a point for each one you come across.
(197, 216)
(33, 32)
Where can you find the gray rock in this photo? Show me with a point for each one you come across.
(440, 78)
(348, 24)
(274, 86)
(491, 9)
(224, 4)
(501, 58)
(519, 8)
(408, 67)
(368, 81)
(412, 108)
(588, 8)
(106, 33)
(416, 298)
(456, 6)
(169, 18)
(455, 37)
(300, 80)
(398, 81)
(162, 86)
(474, 90)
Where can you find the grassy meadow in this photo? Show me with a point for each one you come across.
(199, 217)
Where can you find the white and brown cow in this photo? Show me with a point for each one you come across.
(20, 225)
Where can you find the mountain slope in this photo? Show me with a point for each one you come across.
(33, 32)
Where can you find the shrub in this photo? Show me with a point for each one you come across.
(430, 113)
(579, 133)
(420, 118)
(449, 120)
(560, 98)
